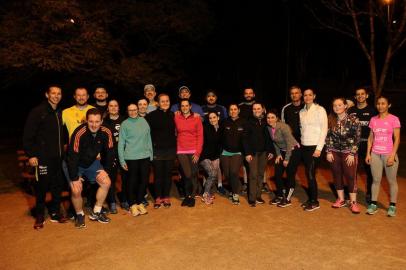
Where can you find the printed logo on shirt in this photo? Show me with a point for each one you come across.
(43, 170)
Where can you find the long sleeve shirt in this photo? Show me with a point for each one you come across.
(134, 140)
(282, 139)
(313, 126)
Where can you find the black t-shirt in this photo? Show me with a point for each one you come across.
(290, 115)
(364, 116)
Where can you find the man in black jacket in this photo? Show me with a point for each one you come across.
(43, 143)
(91, 154)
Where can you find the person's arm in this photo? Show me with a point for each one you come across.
(369, 147)
(246, 141)
(396, 141)
(108, 148)
(355, 136)
(199, 141)
(29, 137)
(323, 131)
(73, 155)
(121, 144)
(290, 141)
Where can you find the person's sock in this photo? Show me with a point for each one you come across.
(97, 209)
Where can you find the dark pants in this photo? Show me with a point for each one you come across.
(50, 178)
(190, 172)
(231, 169)
(342, 172)
(256, 175)
(138, 174)
(111, 196)
(310, 163)
(163, 177)
(291, 170)
(362, 152)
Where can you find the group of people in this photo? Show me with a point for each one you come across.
(91, 145)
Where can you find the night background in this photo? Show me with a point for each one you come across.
(223, 45)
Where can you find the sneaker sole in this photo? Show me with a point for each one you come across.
(80, 227)
(337, 207)
(312, 209)
(391, 215)
(104, 222)
(284, 205)
(372, 213)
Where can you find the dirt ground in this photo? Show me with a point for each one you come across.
(220, 236)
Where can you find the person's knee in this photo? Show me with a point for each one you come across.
(103, 179)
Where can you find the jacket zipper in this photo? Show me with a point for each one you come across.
(59, 135)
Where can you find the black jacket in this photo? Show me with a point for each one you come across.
(163, 133)
(246, 109)
(254, 138)
(232, 132)
(43, 132)
(84, 149)
(212, 143)
(290, 115)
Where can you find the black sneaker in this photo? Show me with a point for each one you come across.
(80, 221)
(222, 190)
(260, 201)
(284, 203)
(55, 217)
(244, 188)
(100, 217)
(191, 202)
(113, 208)
(252, 204)
(265, 188)
(104, 210)
(185, 201)
(304, 205)
(145, 202)
(312, 206)
(276, 200)
(39, 222)
(125, 206)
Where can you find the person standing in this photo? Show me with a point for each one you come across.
(163, 135)
(113, 121)
(185, 93)
(383, 145)
(135, 153)
(210, 157)
(364, 112)
(43, 144)
(313, 129)
(212, 106)
(100, 96)
(255, 153)
(189, 147)
(342, 141)
(232, 132)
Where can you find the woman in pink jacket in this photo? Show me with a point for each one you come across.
(189, 147)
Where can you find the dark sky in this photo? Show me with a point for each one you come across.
(268, 45)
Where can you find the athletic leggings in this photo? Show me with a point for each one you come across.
(291, 170)
(231, 168)
(378, 163)
(190, 171)
(310, 163)
(138, 174)
(163, 177)
(342, 172)
(212, 168)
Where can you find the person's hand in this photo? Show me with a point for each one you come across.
(102, 177)
(248, 158)
(368, 159)
(317, 153)
(330, 157)
(195, 159)
(390, 161)
(270, 156)
(125, 167)
(177, 112)
(76, 186)
(33, 161)
(285, 163)
(350, 160)
(278, 159)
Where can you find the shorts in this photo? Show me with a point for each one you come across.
(91, 172)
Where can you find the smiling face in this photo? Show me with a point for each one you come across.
(164, 102)
(142, 106)
(213, 119)
(233, 111)
(361, 95)
(150, 94)
(132, 110)
(339, 106)
(295, 94)
(94, 122)
(257, 110)
(54, 95)
(100, 94)
(249, 94)
(308, 96)
(271, 119)
(113, 107)
(211, 98)
(81, 96)
(185, 107)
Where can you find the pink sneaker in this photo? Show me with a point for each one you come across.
(355, 208)
(158, 203)
(167, 202)
(339, 203)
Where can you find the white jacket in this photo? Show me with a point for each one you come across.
(313, 126)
